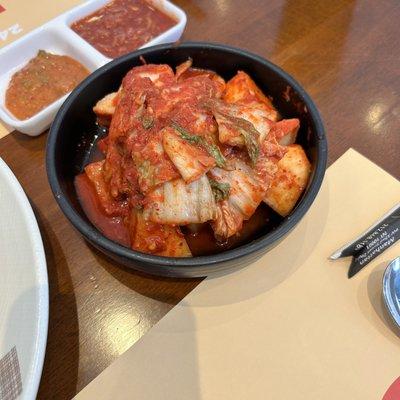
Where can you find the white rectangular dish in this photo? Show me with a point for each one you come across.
(57, 37)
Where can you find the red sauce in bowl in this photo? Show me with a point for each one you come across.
(200, 238)
(122, 26)
(112, 227)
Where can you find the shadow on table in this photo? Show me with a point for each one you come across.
(30, 143)
(166, 290)
(232, 287)
(176, 354)
(60, 369)
(164, 364)
(272, 269)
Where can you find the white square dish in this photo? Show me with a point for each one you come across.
(171, 35)
(51, 39)
(57, 37)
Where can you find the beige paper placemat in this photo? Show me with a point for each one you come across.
(18, 17)
(4, 130)
(290, 326)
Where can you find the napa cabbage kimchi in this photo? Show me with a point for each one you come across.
(185, 148)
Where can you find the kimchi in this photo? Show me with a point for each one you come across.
(187, 150)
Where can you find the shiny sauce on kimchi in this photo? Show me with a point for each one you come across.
(191, 164)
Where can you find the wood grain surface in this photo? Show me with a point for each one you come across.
(345, 53)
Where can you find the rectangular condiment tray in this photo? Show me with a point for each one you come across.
(57, 37)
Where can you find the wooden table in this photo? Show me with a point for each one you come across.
(345, 53)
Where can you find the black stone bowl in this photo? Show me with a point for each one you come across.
(74, 128)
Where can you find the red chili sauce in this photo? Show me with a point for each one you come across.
(122, 26)
(200, 238)
(112, 227)
(45, 78)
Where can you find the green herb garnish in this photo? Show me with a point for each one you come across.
(249, 133)
(42, 53)
(212, 149)
(147, 121)
(251, 143)
(221, 190)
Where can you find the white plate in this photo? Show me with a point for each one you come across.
(24, 296)
(57, 37)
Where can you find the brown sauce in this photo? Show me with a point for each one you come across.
(203, 242)
(122, 26)
(45, 78)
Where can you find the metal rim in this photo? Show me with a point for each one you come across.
(387, 292)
